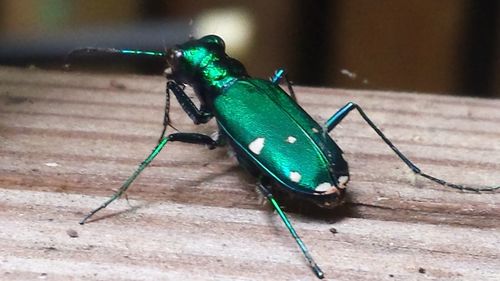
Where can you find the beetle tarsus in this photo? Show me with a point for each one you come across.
(319, 273)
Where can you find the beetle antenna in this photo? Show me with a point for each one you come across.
(129, 181)
(314, 266)
(90, 51)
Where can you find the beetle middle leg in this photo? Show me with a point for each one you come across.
(342, 113)
(279, 75)
(195, 138)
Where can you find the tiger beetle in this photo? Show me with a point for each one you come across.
(271, 135)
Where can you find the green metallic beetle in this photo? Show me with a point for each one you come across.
(272, 136)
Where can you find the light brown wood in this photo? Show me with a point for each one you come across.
(68, 140)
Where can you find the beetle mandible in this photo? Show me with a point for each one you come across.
(272, 136)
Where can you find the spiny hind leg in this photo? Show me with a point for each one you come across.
(344, 111)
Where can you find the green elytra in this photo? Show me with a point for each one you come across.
(293, 150)
(273, 137)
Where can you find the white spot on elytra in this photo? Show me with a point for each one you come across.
(257, 145)
(326, 188)
(51, 164)
(295, 176)
(291, 139)
(323, 187)
(315, 130)
(343, 181)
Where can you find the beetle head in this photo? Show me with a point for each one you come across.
(187, 61)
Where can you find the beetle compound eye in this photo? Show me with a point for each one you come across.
(215, 40)
(173, 55)
(220, 42)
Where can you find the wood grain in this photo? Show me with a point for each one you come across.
(67, 140)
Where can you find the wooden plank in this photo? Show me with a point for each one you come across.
(67, 140)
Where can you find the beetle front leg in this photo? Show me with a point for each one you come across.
(279, 75)
(199, 116)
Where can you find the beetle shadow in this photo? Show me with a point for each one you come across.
(313, 212)
(131, 209)
(178, 190)
(291, 204)
(288, 203)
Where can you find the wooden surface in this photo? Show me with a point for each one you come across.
(67, 140)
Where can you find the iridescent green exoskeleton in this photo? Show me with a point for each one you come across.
(273, 137)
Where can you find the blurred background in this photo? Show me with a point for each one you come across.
(446, 47)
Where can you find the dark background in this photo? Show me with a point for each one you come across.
(447, 46)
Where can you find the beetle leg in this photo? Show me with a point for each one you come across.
(166, 114)
(180, 137)
(278, 76)
(129, 181)
(342, 113)
(195, 138)
(199, 116)
(267, 193)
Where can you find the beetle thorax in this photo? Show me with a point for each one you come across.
(213, 69)
(203, 63)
